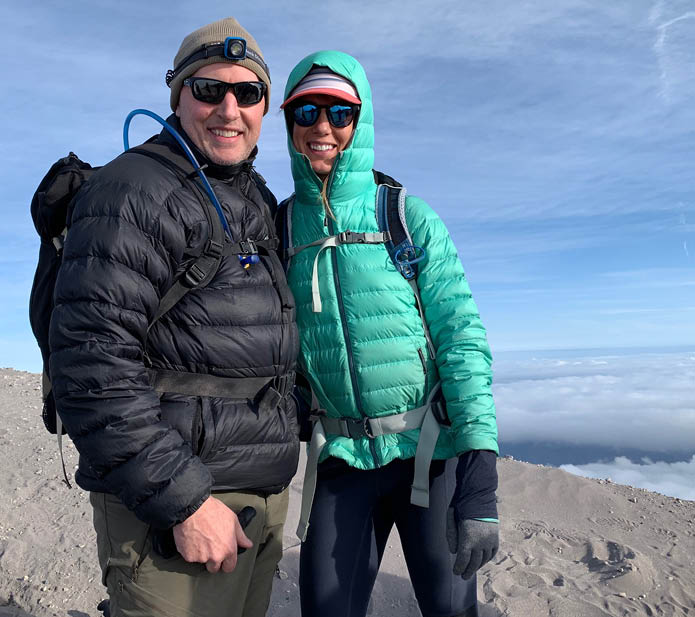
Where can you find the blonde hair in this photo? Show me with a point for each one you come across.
(324, 199)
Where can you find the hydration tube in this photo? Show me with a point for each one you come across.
(408, 256)
(245, 260)
(187, 151)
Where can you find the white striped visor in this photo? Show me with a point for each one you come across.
(321, 80)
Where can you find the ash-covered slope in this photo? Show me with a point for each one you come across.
(571, 546)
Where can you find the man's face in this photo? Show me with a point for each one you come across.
(226, 133)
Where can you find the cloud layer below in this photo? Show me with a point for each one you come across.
(615, 401)
(643, 401)
(673, 479)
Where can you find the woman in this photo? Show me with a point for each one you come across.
(364, 348)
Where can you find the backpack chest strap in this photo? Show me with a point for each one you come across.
(345, 237)
(266, 391)
(203, 384)
(251, 247)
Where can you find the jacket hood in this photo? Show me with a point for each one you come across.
(352, 169)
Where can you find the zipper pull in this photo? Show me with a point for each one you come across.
(422, 359)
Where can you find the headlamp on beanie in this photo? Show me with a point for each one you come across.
(233, 48)
(222, 41)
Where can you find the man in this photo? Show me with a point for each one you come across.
(182, 420)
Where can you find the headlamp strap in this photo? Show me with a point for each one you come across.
(208, 51)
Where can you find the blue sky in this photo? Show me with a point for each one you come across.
(554, 137)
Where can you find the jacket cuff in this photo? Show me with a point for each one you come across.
(192, 509)
(487, 520)
(476, 485)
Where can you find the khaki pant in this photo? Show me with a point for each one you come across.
(141, 583)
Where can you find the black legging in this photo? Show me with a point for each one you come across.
(350, 523)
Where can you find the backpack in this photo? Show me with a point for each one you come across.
(393, 234)
(50, 212)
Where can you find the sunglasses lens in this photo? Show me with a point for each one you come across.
(306, 115)
(248, 92)
(213, 91)
(208, 90)
(340, 115)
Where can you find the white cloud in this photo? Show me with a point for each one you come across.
(685, 276)
(666, 310)
(673, 479)
(445, 29)
(643, 401)
(675, 27)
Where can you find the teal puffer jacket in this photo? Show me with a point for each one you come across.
(365, 353)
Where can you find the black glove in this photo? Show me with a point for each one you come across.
(475, 542)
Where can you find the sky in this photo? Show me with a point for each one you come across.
(554, 137)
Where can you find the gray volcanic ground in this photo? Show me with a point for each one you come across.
(571, 546)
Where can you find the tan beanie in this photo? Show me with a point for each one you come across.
(215, 34)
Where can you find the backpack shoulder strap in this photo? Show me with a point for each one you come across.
(381, 178)
(265, 192)
(283, 227)
(390, 214)
(201, 271)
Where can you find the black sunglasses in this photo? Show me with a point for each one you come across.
(339, 116)
(213, 91)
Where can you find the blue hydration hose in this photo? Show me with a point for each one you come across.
(189, 154)
(246, 260)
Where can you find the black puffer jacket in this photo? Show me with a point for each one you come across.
(134, 229)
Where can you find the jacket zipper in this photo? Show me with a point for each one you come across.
(422, 360)
(346, 334)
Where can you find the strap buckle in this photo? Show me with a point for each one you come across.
(351, 237)
(354, 237)
(278, 389)
(359, 428)
(439, 412)
(194, 276)
(214, 249)
(284, 384)
(367, 429)
(248, 247)
(58, 243)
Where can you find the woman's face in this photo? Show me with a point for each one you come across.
(321, 141)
